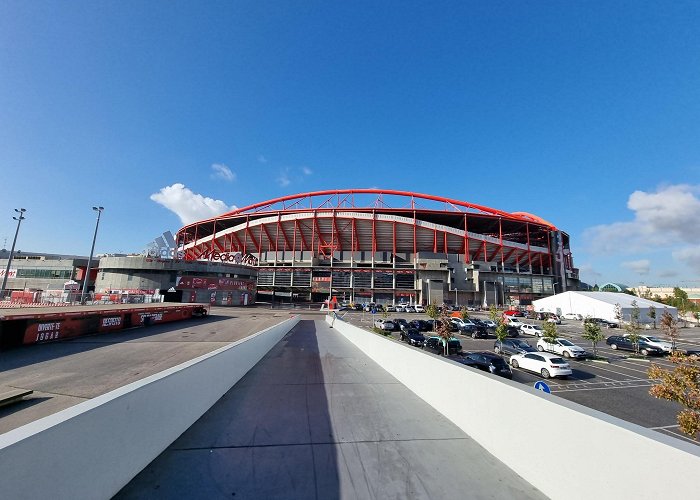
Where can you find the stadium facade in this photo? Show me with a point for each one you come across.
(387, 246)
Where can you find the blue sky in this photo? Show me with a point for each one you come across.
(584, 113)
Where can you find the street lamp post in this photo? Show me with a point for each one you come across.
(19, 220)
(429, 302)
(86, 279)
(554, 287)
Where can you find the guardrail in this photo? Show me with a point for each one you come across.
(93, 449)
(564, 449)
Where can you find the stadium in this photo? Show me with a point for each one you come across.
(388, 247)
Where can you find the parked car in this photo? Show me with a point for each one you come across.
(604, 323)
(462, 322)
(563, 347)
(488, 362)
(409, 309)
(666, 347)
(513, 313)
(400, 308)
(529, 329)
(511, 321)
(419, 308)
(402, 324)
(369, 307)
(429, 325)
(358, 307)
(544, 363)
(413, 337)
(436, 344)
(390, 308)
(489, 324)
(573, 317)
(384, 324)
(512, 346)
(621, 342)
(553, 318)
(474, 330)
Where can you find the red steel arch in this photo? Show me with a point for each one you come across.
(344, 199)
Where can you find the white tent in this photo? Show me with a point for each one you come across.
(601, 305)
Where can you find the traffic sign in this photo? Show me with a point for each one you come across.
(541, 386)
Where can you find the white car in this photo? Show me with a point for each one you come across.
(462, 323)
(510, 321)
(573, 317)
(666, 347)
(489, 324)
(400, 308)
(384, 324)
(562, 346)
(544, 363)
(554, 319)
(529, 329)
(419, 308)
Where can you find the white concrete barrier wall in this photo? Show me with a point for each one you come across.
(95, 448)
(564, 449)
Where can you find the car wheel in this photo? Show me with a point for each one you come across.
(545, 373)
(540, 348)
(497, 350)
(613, 347)
(645, 352)
(514, 363)
(474, 335)
(566, 354)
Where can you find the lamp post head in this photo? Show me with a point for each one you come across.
(98, 209)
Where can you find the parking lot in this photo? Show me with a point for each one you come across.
(619, 387)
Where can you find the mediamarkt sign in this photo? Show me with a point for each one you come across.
(234, 257)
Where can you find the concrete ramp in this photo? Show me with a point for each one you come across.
(316, 418)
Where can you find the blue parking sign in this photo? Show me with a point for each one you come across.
(541, 386)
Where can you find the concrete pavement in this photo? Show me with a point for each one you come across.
(316, 418)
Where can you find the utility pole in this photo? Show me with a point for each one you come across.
(19, 219)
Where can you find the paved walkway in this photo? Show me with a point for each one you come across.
(317, 419)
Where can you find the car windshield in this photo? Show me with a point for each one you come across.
(566, 343)
(454, 343)
(521, 343)
(654, 339)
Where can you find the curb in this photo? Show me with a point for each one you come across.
(643, 360)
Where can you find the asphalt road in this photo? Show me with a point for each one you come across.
(619, 388)
(65, 373)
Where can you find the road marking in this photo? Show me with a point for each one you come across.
(681, 436)
(604, 388)
(663, 427)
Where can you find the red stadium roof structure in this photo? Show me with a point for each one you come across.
(376, 220)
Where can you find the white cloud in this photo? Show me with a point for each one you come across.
(588, 273)
(668, 273)
(689, 256)
(638, 266)
(307, 170)
(283, 179)
(663, 219)
(221, 171)
(188, 206)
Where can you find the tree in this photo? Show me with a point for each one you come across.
(670, 327)
(633, 328)
(444, 329)
(432, 311)
(494, 314)
(501, 333)
(618, 314)
(696, 315)
(592, 332)
(463, 313)
(549, 330)
(682, 385)
(652, 315)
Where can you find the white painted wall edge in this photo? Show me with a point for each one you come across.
(95, 448)
(562, 448)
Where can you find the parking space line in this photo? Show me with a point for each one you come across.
(678, 435)
(604, 388)
(663, 427)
